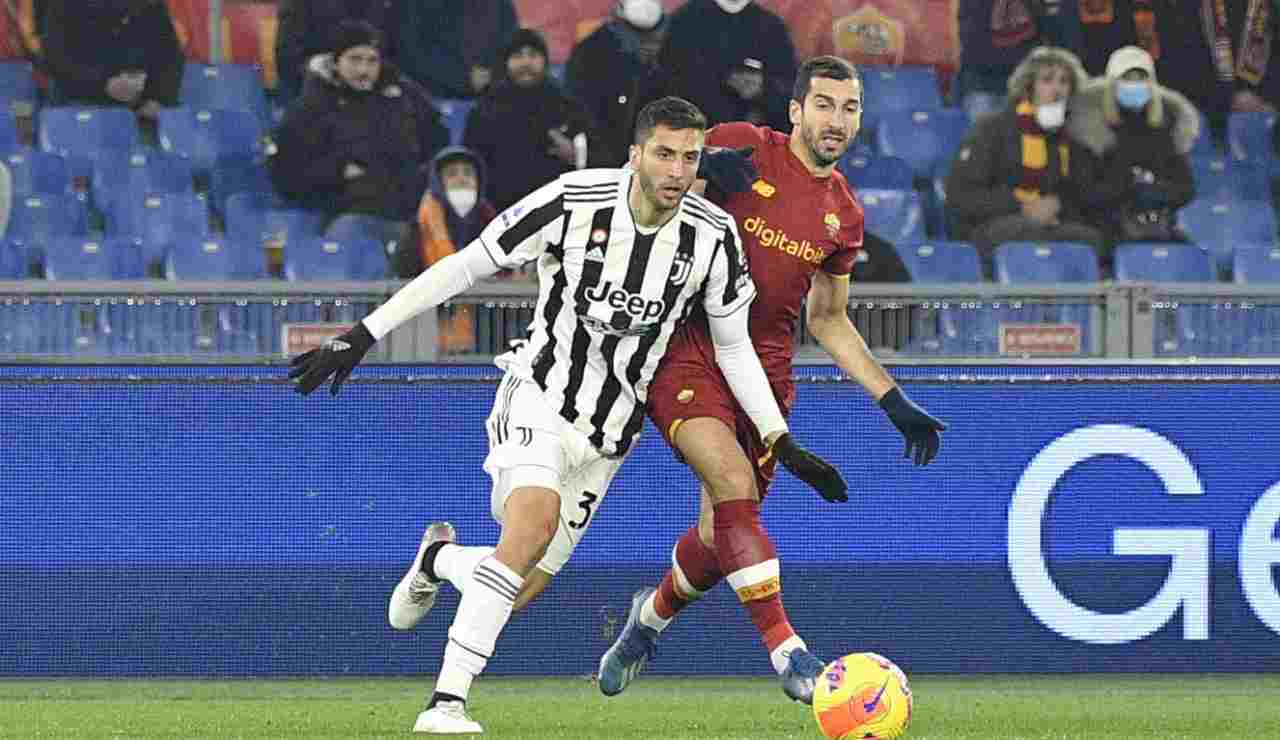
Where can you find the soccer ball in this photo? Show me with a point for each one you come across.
(863, 696)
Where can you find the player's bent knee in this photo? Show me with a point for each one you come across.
(734, 482)
(532, 515)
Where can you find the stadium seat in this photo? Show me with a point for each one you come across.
(137, 174)
(35, 172)
(1261, 323)
(224, 87)
(11, 261)
(893, 215)
(865, 170)
(454, 112)
(260, 221)
(900, 88)
(36, 220)
(1228, 221)
(1190, 327)
(941, 262)
(1046, 262)
(1163, 262)
(82, 135)
(205, 136)
(331, 259)
(203, 259)
(1249, 136)
(158, 220)
(922, 137)
(1257, 264)
(18, 90)
(81, 258)
(237, 174)
(1222, 178)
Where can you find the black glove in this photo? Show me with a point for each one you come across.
(917, 426)
(337, 357)
(727, 171)
(811, 469)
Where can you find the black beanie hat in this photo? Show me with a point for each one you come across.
(351, 33)
(525, 37)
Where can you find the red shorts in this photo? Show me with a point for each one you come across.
(691, 388)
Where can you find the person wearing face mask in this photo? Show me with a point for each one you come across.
(733, 58)
(451, 214)
(1017, 175)
(615, 68)
(1142, 133)
(355, 142)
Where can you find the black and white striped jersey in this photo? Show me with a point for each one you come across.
(610, 297)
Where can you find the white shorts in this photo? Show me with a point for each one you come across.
(532, 445)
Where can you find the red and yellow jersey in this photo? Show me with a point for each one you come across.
(792, 224)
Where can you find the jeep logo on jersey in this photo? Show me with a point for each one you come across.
(621, 300)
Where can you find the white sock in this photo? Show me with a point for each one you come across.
(455, 563)
(482, 613)
(649, 616)
(781, 654)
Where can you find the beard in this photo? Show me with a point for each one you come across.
(813, 140)
(651, 192)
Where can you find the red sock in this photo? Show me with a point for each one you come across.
(694, 571)
(750, 563)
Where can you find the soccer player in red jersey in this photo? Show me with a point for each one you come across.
(801, 227)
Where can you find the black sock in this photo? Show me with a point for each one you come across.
(429, 560)
(440, 696)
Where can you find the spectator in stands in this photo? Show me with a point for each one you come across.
(453, 47)
(1018, 176)
(616, 68)
(451, 214)
(526, 127)
(305, 28)
(357, 139)
(732, 58)
(113, 52)
(1141, 132)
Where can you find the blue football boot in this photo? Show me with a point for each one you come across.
(633, 648)
(801, 675)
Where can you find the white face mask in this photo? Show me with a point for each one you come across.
(733, 6)
(643, 14)
(1051, 116)
(462, 200)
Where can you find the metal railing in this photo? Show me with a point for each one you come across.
(265, 321)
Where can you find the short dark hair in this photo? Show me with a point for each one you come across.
(832, 68)
(675, 113)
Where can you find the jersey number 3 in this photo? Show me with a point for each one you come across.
(588, 500)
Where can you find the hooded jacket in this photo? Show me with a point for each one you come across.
(391, 132)
(1156, 139)
(305, 26)
(87, 42)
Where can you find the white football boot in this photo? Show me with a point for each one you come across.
(447, 718)
(416, 594)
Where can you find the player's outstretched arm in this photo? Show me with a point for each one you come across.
(337, 357)
(828, 320)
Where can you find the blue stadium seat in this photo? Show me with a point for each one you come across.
(893, 215)
(941, 262)
(1222, 178)
(203, 259)
(36, 220)
(34, 172)
(454, 112)
(900, 88)
(866, 170)
(1249, 136)
(1228, 221)
(1261, 323)
(331, 259)
(134, 175)
(11, 261)
(1190, 328)
(1257, 264)
(158, 220)
(205, 136)
(18, 92)
(81, 135)
(82, 258)
(1046, 262)
(224, 87)
(922, 137)
(1163, 262)
(237, 174)
(263, 221)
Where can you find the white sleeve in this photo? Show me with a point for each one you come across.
(729, 285)
(440, 282)
(521, 233)
(741, 367)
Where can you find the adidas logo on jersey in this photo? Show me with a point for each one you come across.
(621, 300)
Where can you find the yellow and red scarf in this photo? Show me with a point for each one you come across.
(1035, 155)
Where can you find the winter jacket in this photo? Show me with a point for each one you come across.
(1122, 141)
(306, 26)
(87, 42)
(391, 132)
(449, 37)
(989, 166)
(606, 74)
(508, 127)
(704, 44)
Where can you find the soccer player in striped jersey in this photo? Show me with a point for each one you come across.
(624, 256)
(802, 228)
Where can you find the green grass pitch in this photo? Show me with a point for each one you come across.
(1125, 707)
